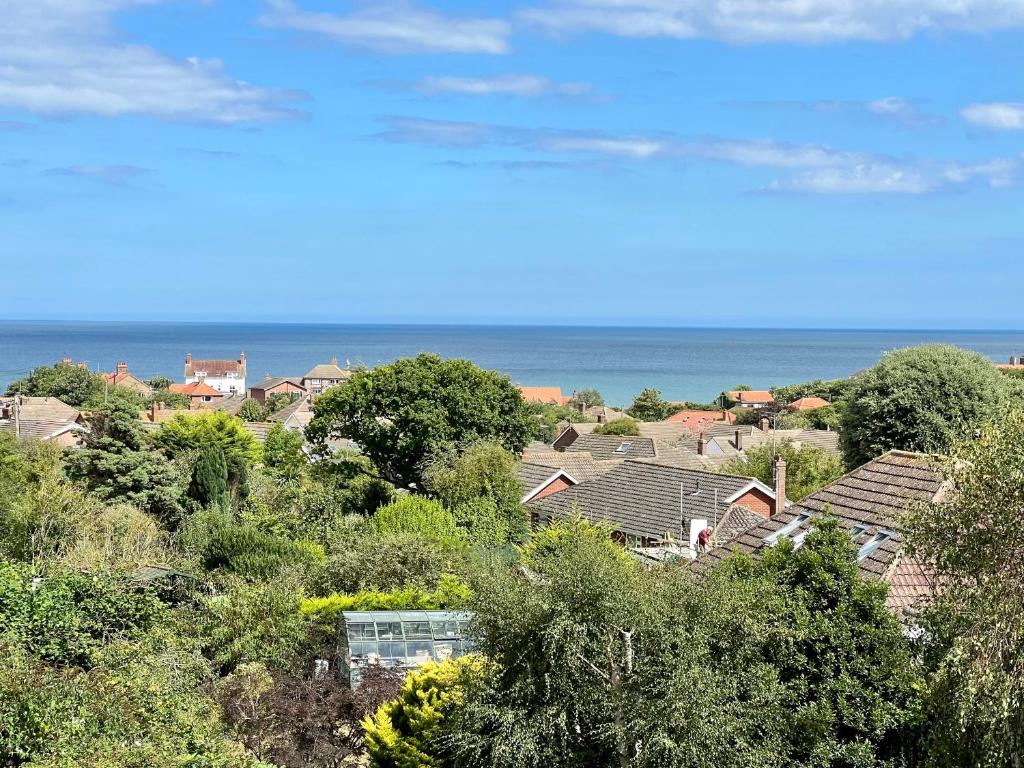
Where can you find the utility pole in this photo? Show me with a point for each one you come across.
(17, 416)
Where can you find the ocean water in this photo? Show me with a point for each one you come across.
(684, 363)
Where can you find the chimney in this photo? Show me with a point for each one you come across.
(700, 445)
(334, 361)
(153, 408)
(780, 485)
(122, 367)
(764, 423)
(241, 359)
(739, 440)
(66, 361)
(1013, 360)
(188, 359)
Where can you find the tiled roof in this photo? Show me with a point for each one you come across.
(300, 405)
(545, 395)
(868, 501)
(231, 404)
(605, 447)
(40, 429)
(44, 409)
(581, 466)
(695, 421)
(751, 396)
(259, 428)
(647, 499)
(737, 520)
(275, 381)
(214, 367)
(807, 404)
(328, 371)
(195, 389)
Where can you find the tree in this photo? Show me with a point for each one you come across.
(974, 538)
(414, 515)
(649, 406)
(402, 732)
(251, 410)
(588, 397)
(624, 426)
(280, 400)
(402, 413)
(177, 400)
(919, 399)
(209, 486)
(282, 452)
(193, 431)
(484, 470)
(68, 383)
(160, 382)
(807, 468)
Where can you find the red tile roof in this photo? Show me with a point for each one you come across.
(544, 395)
(696, 421)
(808, 404)
(751, 396)
(195, 389)
(214, 367)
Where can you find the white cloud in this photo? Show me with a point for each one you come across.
(906, 112)
(755, 21)
(65, 57)
(394, 27)
(814, 168)
(999, 115)
(527, 86)
(111, 174)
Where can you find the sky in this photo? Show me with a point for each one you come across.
(794, 163)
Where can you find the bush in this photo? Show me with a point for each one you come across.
(649, 406)
(451, 593)
(223, 544)
(193, 431)
(623, 426)
(414, 515)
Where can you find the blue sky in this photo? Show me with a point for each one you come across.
(822, 163)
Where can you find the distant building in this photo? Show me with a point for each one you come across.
(807, 404)
(277, 385)
(544, 395)
(324, 376)
(225, 376)
(751, 398)
(200, 394)
(698, 421)
(42, 418)
(122, 377)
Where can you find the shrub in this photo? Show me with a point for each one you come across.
(623, 426)
(414, 515)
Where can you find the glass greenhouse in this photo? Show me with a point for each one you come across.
(400, 639)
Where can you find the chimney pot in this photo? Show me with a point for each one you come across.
(122, 367)
(188, 359)
(739, 440)
(780, 486)
(334, 361)
(765, 423)
(700, 445)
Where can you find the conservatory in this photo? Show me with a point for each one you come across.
(399, 639)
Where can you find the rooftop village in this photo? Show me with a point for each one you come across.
(672, 484)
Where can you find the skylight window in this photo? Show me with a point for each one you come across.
(785, 531)
(857, 531)
(623, 448)
(874, 543)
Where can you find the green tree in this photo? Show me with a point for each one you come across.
(807, 468)
(624, 426)
(416, 515)
(974, 538)
(484, 470)
(177, 400)
(192, 431)
(282, 452)
(649, 406)
(402, 413)
(588, 397)
(402, 733)
(209, 485)
(919, 399)
(160, 382)
(68, 383)
(251, 410)
(280, 400)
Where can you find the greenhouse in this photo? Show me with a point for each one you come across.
(400, 639)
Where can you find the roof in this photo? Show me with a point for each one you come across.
(867, 502)
(214, 367)
(328, 371)
(581, 466)
(650, 500)
(605, 447)
(536, 477)
(695, 420)
(737, 520)
(808, 404)
(44, 409)
(259, 428)
(301, 405)
(195, 389)
(275, 381)
(544, 395)
(751, 396)
(40, 429)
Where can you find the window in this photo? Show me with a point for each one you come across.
(623, 448)
(787, 529)
(857, 531)
(389, 630)
(873, 543)
(362, 631)
(417, 630)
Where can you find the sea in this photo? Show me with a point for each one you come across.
(684, 363)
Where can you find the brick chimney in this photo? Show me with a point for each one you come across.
(241, 359)
(66, 361)
(334, 361)
(780, 486)
(765, 423)
(188, 359)
(739, 440)
(700, 445)
(122, 367)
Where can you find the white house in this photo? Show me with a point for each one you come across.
(225, 376)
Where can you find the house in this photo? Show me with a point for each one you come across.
(277, 385)
(323, 377)
(539, 480)
(122, 377)
(602, 414)
(544, 395)
(807, 404)
(698, 421)
(650, 505)
(42, 418)
(867, 502)
(296, 416)
(225, 376)
(1016, 364)
(752, 398)
(201, 394)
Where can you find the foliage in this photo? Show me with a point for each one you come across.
(919, 399)
(451, 593)
(251, 410)
(649, 406)
(484, 472)
(550, 419)
(118, 538)
(832, 390)
(807, 468)
(402, 733)
(209, 485)
(414, 515)
(177, 400)
(588, 397)
(624, 426)
(160, 382)
(974, 538)
(192, 431)
(282, 452)
(279, 401)
(404, 412)
(68, 383)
